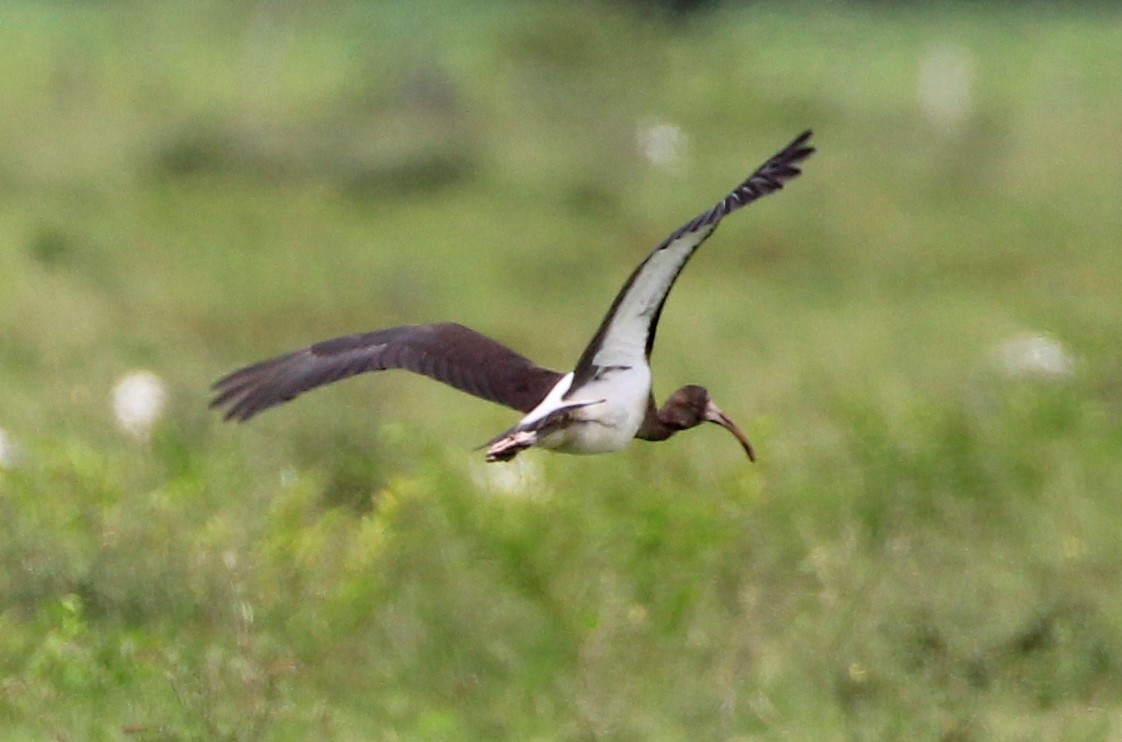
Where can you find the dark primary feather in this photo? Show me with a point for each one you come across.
(447, 352)
(768, 178)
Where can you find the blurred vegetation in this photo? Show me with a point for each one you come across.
(928, 547)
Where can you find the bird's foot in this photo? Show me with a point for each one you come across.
(509, 446)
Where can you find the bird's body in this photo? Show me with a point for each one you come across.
(602, 416)
(598, 407)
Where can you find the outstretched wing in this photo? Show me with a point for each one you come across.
(627, 333)
(449, 353)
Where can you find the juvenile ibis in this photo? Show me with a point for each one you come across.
(598, 407)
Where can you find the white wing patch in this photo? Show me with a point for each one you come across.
(552, 401)
(625, 342)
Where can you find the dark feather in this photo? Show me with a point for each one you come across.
(768, 178)
(447, 352)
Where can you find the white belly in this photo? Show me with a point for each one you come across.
(606, 426)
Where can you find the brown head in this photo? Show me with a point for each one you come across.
(687, 408)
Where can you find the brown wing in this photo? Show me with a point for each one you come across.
(449, 353)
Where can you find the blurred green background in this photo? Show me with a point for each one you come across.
(921, 336)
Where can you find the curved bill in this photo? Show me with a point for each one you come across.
(714, 415)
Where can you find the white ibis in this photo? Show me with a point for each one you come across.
(598, 407)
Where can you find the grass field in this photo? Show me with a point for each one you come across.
(921, 336)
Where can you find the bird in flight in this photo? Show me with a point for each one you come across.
(598, 407)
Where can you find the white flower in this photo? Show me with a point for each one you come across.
(9, 451)
(1034, 354)
(946, 75)
(138, 401)
(519, 478)
(662, 144)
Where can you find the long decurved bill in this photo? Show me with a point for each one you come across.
(714, 415)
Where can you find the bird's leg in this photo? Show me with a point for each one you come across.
(510, 445)
(524, 435)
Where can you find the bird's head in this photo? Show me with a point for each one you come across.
(690, 406)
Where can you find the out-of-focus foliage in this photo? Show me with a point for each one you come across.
(920, 335)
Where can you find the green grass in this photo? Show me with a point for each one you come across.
(928, 547)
